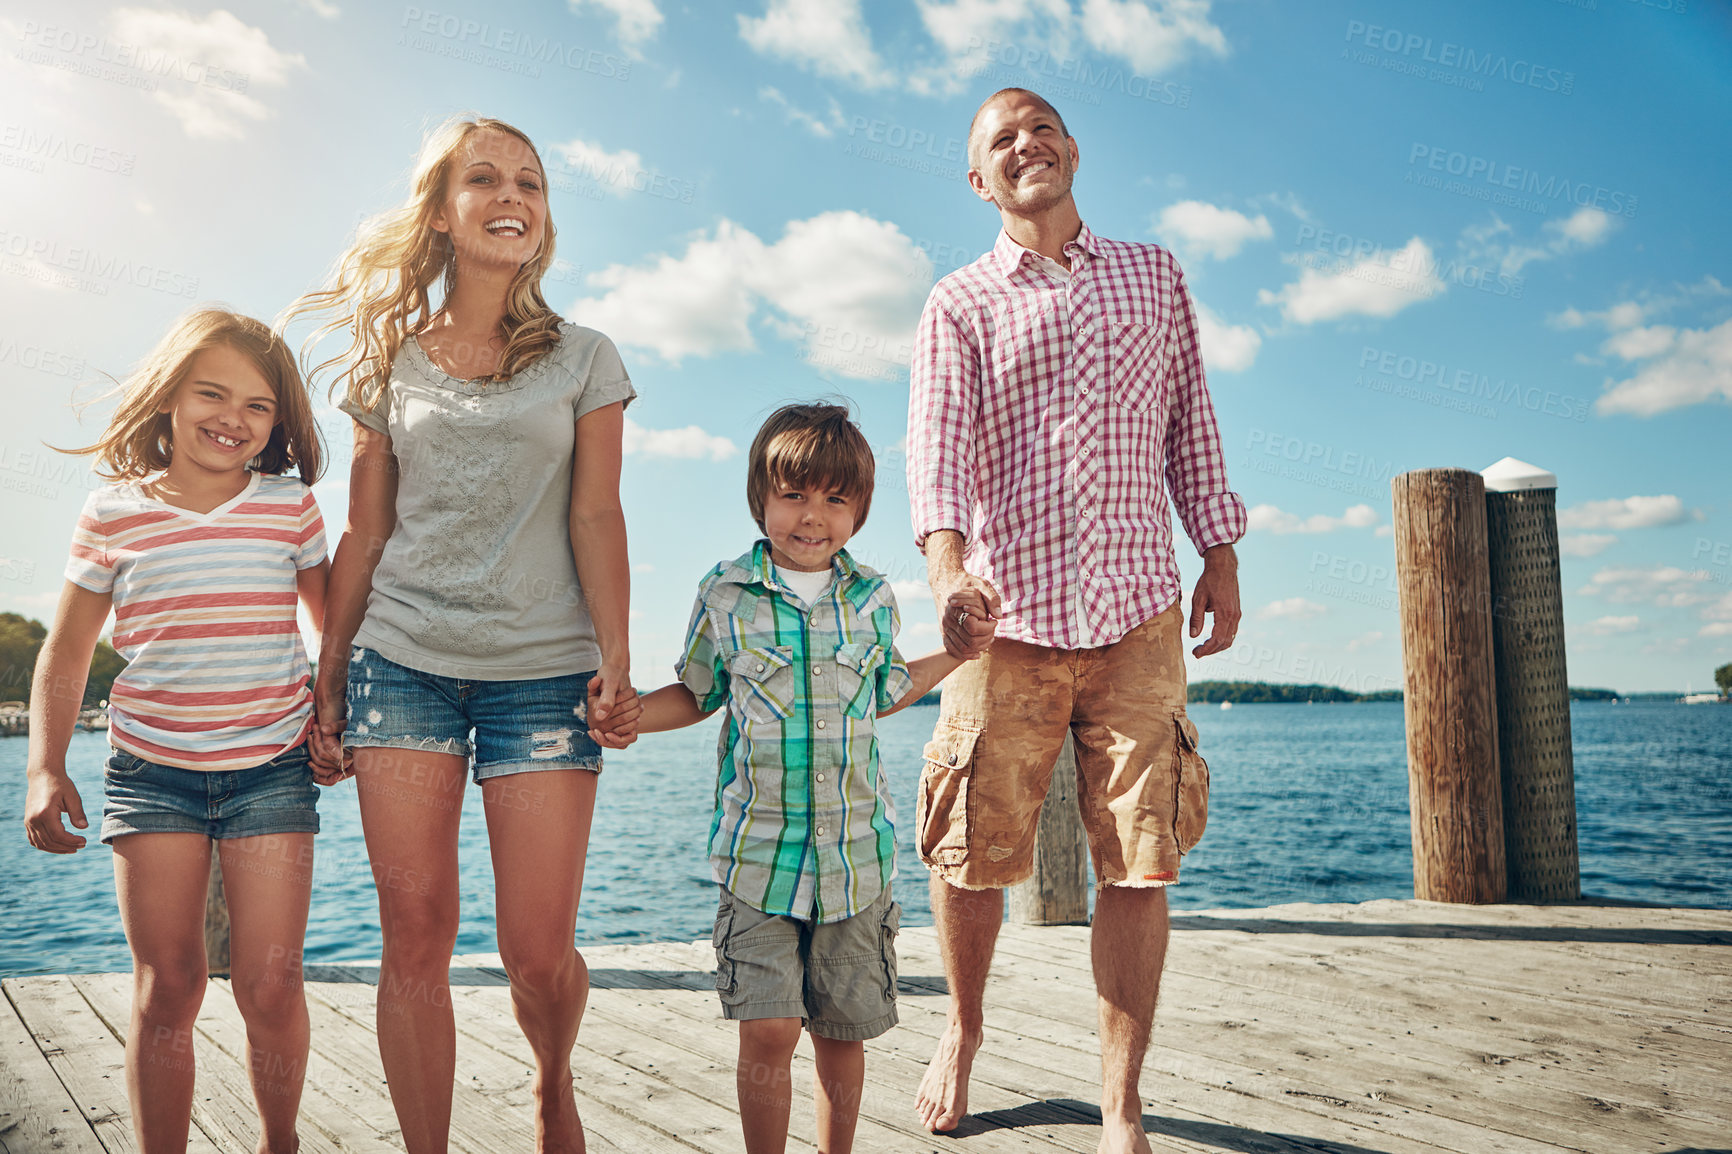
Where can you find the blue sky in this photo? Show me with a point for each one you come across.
(1420, 235)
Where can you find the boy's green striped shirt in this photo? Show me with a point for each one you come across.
(804, 822)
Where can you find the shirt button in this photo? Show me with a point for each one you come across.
(822, 831)
(760, 667)
(953, 759)
(820, 777)
(820, 723)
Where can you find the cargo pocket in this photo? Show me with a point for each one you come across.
(1190, 784)
(765, 681)
(724, 964)
(1137, 369)
(856, 681)
(946, 807)
(887, 946)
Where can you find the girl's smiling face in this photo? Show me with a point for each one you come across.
(220, 415)
(495, 209)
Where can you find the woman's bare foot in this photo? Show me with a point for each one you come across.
(942, 1101)
(557, 1127)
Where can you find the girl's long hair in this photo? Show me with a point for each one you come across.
(139, 439)
(378, 290)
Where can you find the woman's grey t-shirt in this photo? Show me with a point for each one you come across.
(477, 579)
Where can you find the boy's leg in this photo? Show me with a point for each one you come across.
(837, 1086)
(764, 1080)
(161, 879)
(268, 880)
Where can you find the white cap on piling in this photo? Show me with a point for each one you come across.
(1512, 476)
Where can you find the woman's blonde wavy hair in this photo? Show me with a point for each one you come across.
(378, 290)
(139, 439)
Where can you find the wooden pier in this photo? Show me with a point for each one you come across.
(1399, 1027)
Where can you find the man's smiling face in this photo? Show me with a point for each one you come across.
(1020, 158)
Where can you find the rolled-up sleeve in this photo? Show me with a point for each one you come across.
(943, 402)
(1196, 465)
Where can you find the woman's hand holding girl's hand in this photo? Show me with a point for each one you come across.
(330, 710)
(49, 796)
(614, 708)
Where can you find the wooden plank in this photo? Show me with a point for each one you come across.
(37, 1115)
(1427, 1070)
(1017, 1077)
(88, 1057)
(493, 1104)
(223, 1106)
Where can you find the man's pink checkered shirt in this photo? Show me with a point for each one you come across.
(1048, 420)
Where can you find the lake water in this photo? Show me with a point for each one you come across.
(1309, 804)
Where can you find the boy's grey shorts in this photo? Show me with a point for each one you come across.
(839, 978)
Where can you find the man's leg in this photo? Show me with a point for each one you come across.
(967, 922)
(1129, 947)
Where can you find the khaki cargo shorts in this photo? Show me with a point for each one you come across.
(1142, 786)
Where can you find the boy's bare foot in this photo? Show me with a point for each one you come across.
(942, 1101)
(1120, 1136)
(557, 1128)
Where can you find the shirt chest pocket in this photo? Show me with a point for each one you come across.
(763, 680)
(857, 676)
(1138, 355)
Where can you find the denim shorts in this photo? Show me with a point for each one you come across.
(141, 796)
(539, 723)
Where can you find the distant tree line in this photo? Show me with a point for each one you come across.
(1723, 678)
(1278, 692)
(20, 642)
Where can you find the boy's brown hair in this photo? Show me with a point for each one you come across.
(810, 447)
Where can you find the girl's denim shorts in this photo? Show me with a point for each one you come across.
(506, 727)
(142, 796)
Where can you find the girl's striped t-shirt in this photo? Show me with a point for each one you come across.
(204, 613)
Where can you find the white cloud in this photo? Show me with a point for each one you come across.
(1625, 513)
(1198, 229)
(1641, 342)
(1586, 544)
(1151, 35)
(1606, 626)
(1379, 285)
(212, 67)
(1663, 586)
(617, 171)
(1269, 519)
(689, 444)
(817, 126)
(1586, 228)
(1694, 367)
(1297, 608)
(635, 20)
(851, 287)
(1365, 641)
(1226, 348)
(828, 36)
(911, 593)
(1717, 629)
(322, 8)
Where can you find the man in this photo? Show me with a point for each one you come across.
(1057, 400)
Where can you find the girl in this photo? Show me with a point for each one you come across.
(201, 547)
(480, 586)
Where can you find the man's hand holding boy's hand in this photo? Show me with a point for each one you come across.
(613, 728)
(970, 621)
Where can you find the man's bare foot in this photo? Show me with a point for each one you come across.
(557, 1128)
(942, 1102)
(1122, 1136)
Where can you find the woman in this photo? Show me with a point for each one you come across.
(480, 585)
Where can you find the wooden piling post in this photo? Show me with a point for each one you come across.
(1446, 644)
(1533, 687)
(1057, 894)
(216, 920)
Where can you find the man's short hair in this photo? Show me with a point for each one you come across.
(1035, 96)
(810, 447)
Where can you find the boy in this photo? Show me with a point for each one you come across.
(797, 640)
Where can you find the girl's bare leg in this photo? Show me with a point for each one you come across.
(268, 881)
(161, 879)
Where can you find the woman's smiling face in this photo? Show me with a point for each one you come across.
(495, 200)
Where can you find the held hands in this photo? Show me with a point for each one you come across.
(49, 796)
(1217, 592)
(614, 708)
(968, 611)
(331, 762)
